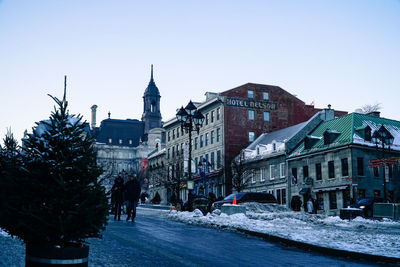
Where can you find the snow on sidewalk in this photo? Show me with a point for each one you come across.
(358, 235)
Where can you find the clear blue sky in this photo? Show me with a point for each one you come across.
(344, 53)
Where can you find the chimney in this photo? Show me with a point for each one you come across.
(94, 107)
(374, 114)
(328, 114)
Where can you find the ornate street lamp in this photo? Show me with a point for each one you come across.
(383, 137)
(191, 119)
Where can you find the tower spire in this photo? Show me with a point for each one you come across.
(151, 79)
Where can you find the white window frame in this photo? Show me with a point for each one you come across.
(271, 172)
(282, 168)
(253, 177)
(265, 95)
(262, 174)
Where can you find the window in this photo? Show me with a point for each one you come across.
(272, 172)
(168, 154)
(305, 172)
(196, 140)
(266, 116)
(332, 200)
(283, 196)
(294, 175)
(173, 134)
(177, 133)
(212, 137)
(278, 196)
(251, 115)
(376, 172)
(218, 134)
(377, 193)
(318, 171)
(218, 113)
(360, 166)
(265, 95)
(345, 167)
(206, 140)
(262, 174)
(253, 178)
(181, 148)
(218, 158)
(201, 141)
(320, 201)
(207, 118)
(282, 170)
(212, 160)
(169, 136)
(173, 151)
(212, 116)
(251, 136)
(250, 94)
(361, 194)
(177, 150)
(331, 169)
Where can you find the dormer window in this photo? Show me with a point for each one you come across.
(310, 141)
(330, 136)
(364, 132)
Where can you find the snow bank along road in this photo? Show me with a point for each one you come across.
(362, 236)
(155, 240)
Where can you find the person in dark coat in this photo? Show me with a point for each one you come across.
(132, 194)
(295, 204)
(211, 199)
(117, 192)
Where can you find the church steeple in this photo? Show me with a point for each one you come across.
(151, 105)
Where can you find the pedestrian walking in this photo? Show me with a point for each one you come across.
(117, 192)
(132, 194)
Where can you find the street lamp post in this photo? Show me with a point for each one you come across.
(191, 119)
(383, 137)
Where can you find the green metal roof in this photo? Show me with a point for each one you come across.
(349, 127)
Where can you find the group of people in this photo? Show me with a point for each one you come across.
(310, 205)
(129, 193)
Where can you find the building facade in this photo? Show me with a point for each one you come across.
(334, 163)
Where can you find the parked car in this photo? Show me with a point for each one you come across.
(364, 207)
(245, 197)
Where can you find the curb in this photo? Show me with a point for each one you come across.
(325, 250)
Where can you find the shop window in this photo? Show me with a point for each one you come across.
(361, 194)
(320, 201)
(332, 200)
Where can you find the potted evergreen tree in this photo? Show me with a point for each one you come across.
(50, 196)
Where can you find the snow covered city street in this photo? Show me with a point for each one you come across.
(156, 240)
(199, 133)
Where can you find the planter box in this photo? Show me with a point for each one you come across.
(70, 256)
(230, 209)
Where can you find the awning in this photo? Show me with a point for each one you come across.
(304, 190)
(332, 188)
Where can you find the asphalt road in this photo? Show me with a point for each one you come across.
(154, 240)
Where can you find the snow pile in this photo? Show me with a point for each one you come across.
(3, 233)
(358, 235)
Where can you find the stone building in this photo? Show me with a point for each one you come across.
(233, 120)
(334, 163)
(123, 145)
(265, 159)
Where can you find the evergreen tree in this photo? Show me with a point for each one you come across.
(57, 199)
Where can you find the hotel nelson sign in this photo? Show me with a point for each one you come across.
(248, 103)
